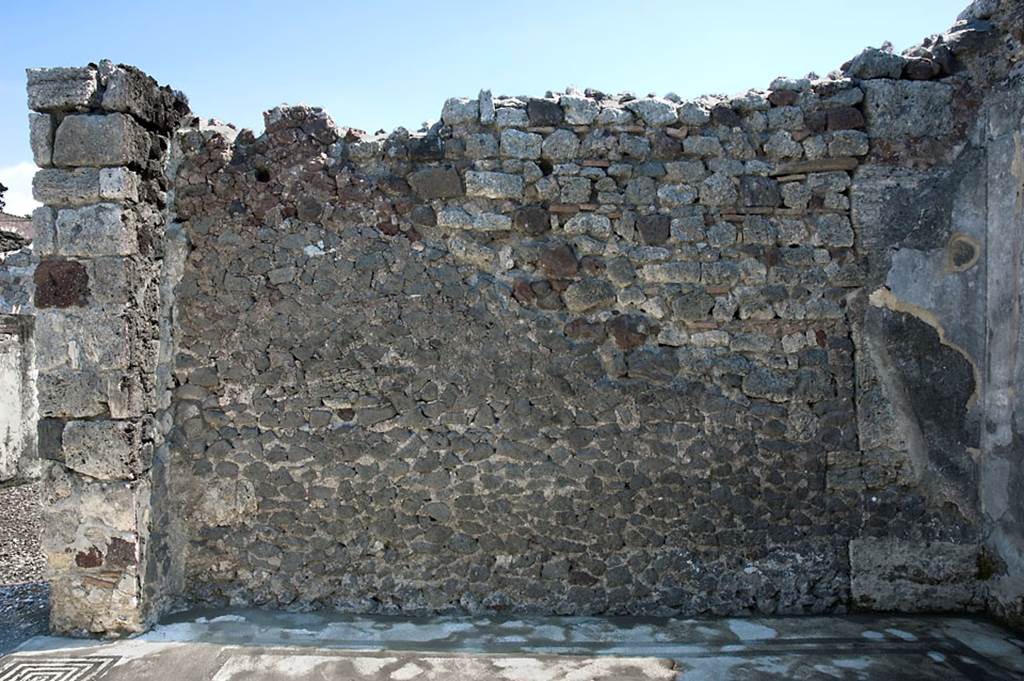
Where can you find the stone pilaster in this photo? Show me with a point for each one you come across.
(101, 136)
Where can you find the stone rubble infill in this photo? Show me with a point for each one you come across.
(572, 353)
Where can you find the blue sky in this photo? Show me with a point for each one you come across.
(383, 63)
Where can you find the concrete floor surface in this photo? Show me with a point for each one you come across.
(259, 645)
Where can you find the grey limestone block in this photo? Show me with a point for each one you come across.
(100, 141)
(62, 89)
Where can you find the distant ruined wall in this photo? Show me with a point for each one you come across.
(569, 354)
(19, 461)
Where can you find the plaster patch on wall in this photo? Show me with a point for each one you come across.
(885, 298)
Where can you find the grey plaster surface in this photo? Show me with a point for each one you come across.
(251, 644)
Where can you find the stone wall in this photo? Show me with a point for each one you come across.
(101, 135)
(580, 353)
(937, 207)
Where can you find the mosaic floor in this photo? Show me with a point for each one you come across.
(257, 645)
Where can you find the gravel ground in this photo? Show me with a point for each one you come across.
(24, 597)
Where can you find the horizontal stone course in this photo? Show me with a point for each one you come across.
(99, 140)
(95, 230)
(106, 450)
(62, 89)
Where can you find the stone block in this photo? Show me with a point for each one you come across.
(436, 183)
(833, 231)
(96, 140)
(96, 230)
(561, 145)
(131, 91)
(903, 110)
(92, 537)
(533, 220)
(61, 283)
(578, 110)
(848, 143)
(574, 189)
(222, 503)
(493, 185)
(49, 433)
(508, 117)
(61, 187)
(89, 392)
(591, 224)
(40, 130)
(913, 576)
(429, 148)
(875, 63)
(845, 118)
(106, 450)
(679, 272)
(675, 195)
(759, 192)
(118, 184)
(519, 144)
(76, 338)
(558, 262)
(92, 509)
(116, 280)
(654, 229)
(460, 111)
(654, 112)
(486, 104)
(702, 146)
(62, 89)
(481, 145)
(588, 294)
(16, 283)
(544, 112)
(44, 229)
(70, 393)
(457, 218)
(769, 384)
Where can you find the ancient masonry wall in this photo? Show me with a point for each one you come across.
(101, 136)
(569, 354)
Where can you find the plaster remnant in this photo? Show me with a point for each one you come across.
(884, 298)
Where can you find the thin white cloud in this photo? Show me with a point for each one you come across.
(18, 180)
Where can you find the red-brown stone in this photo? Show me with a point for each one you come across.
(845, 118)
(582, 330)
(921, 69)
(816, 121)
(628, 331)
(558, 262)
(120, 553)
(523, 292)
(89, 559)
(61, 283)
(783, 97)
